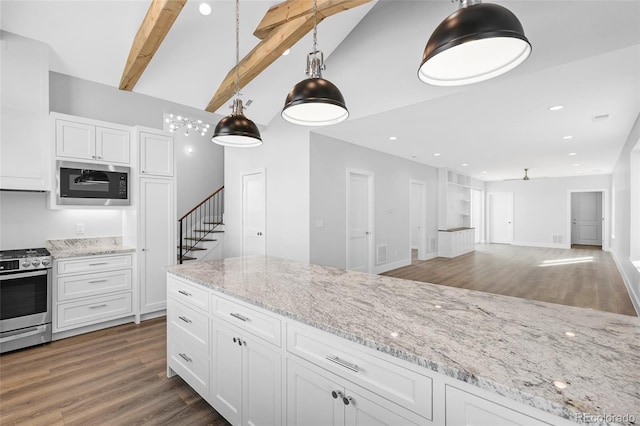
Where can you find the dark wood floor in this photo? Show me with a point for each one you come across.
(115, 376)
(584, 276)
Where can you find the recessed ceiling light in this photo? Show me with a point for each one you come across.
(286, 52)
(556, 108)
(576, 165)
(579, 171)
(484, 172)
(567, 137)
(437, 154)
(393, 138)
(205, 9)
(572, 153)
(464, 164)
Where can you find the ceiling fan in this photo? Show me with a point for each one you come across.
(525, 177)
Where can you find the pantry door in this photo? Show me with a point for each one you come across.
(500, 217)
(254, 214)
(359, 220)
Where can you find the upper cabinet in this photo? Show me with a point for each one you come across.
(156, 153)
(24, 108)
(88, 140)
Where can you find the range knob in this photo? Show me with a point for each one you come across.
(26, 263)
(45, 262)
(35, 263)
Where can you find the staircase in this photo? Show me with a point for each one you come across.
(200, 227)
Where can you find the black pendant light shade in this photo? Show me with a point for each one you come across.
(315, 102)
(237, 130)
(477, 42)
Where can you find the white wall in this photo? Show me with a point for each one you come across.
(329, 160)
(542, 207)
(285, 156)
(624, 223)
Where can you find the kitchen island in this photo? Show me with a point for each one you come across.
(551, 363)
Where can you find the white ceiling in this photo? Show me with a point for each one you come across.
(586, 56)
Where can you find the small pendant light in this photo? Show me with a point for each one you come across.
(475, 43)
(235, 129)
(315, 101)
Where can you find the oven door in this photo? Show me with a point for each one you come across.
(25, 299)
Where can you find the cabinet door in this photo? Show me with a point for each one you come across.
(261, 384)
(75, 140)
(156, 154)
(226, 373)
(309, 398)
(366, 412)
(158, 247)
(112, 145)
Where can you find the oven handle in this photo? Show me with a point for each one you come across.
(24, 274)
(32, 332)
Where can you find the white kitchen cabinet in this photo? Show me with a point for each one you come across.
(156, 240)
(91, 290)
(454, 243)
(156, 153)
(25, 153)
(83, 139)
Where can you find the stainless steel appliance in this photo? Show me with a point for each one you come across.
(83, 184)
(25, 298)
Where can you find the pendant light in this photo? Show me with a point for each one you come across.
(235, 129)
(477, 42)
(315, 101)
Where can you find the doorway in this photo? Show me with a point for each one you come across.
(587, 218)
(418, 219)
(359, 220)
(500, 217)
(254, 214)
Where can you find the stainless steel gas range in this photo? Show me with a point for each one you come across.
(25, 298)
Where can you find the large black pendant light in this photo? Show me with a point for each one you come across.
(236, 129)
(315, 101)
(475, 43)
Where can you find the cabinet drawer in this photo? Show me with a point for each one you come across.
(463, 409)
(90, 311)
(402, 386)
(189, 363)
(191, 295)
(257, 323)
(75, 286)
(188, 322)
(95, 263)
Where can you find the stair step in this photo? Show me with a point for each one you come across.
(213, 223)
(186, 258)
(194, 248)
(208, 231)
(197, 239)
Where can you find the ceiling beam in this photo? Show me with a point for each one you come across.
(289, 10)
(155, 26)
(282, 29)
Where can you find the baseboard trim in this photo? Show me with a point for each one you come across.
(390, 266)
(63, 334)
(635, 297)
(541, 245)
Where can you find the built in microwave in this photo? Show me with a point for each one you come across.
(92, 184)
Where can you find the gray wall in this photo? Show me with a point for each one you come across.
(330, 159)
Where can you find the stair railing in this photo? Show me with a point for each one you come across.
(199, 222)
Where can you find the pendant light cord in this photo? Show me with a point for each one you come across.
(238, 48)
(315, 27)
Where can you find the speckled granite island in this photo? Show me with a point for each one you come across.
(554, 364)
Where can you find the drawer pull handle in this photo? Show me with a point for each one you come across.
(342, 363)
(96, 281)
(186, 293)
(104, 305)
(186, 357)
(336, 394)
(98, 264)
(185, 319)
(240, 317)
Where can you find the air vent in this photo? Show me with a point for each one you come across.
(432, 244)
(557, 239)
(601, 117)
(381, 254)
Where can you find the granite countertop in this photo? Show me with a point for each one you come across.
(77, 247)
(559, 359)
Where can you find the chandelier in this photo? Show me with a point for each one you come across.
(177, 122)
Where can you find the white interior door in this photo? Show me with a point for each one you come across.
(359, 221)
(586, 218)
(476, 214)
(500, 217)
(418, 218)
(253, 214)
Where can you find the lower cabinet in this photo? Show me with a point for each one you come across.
(456, 243)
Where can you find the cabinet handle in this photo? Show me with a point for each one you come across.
(185, 319)
(240, 317)
(98, 264)
(346, 400)
(143, 171)
(93, 156)
(98, 306)
(186, 357)
(186, 293)
(336, 393)
(342, 363)
(96, 281)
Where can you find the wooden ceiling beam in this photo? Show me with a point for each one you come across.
(155, 26)
(282, 27)
(289, 10)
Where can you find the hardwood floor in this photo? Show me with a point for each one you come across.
(584, 276)
(115, 376)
